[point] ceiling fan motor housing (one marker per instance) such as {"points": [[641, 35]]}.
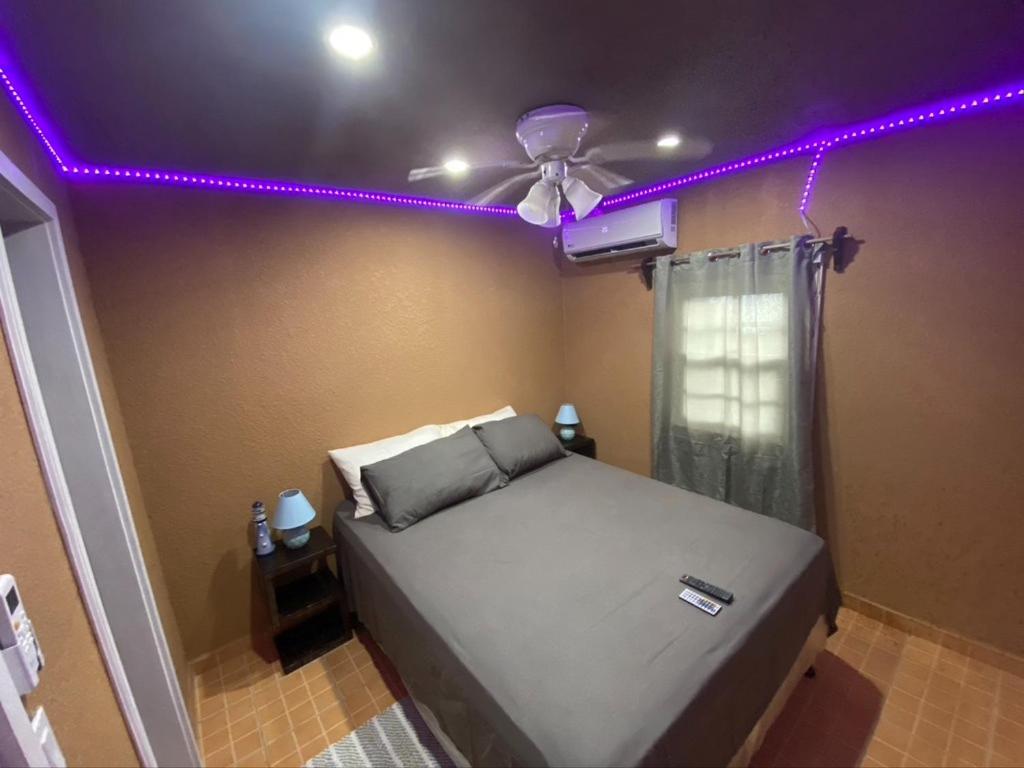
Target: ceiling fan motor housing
{"points": [[553, 171], [553, 132]]}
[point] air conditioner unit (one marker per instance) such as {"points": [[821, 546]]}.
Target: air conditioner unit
{"points": [[641, 229]]}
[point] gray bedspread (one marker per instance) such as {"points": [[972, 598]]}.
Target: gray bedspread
{"points": [[541, 623]]}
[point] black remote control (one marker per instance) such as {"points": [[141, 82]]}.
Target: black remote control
{"points": [[709, 589]]}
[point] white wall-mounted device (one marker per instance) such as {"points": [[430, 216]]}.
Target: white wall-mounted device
{"points": [[18, 644], [646, 228]]}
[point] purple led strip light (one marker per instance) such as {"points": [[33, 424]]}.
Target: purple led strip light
{"points": [[176, 178], [30, 118], [840, 136], [83, 171], [812, 172]]}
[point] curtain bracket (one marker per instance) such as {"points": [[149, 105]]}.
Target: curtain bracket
{"points": [[838, 257], [647, 272]]}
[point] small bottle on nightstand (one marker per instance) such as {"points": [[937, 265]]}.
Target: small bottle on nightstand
{"points": [[264, 544]]}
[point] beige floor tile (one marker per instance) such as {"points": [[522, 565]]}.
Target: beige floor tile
{"points": [[327, 698], [216, 722], [239, 728], [936, 716], [1008, 749], [241, 709], [216, 741], [338, 732], [265, 695], [296, 696], [302, 712], [257, 759], [247, 744], [320, 684], [357, 699], [313, 670], [281, 748], [1009, 729], [351, 683], [307, 731], [970, 732], [961, 750], [977, 714], [222, 758], [903, 700], [210, 705], [893, 735], [291, 682], [331, 716], [1011, 712], [288, 761], [271, 711], [313, 748], [361, 716], [275, 729], [899, 717]]}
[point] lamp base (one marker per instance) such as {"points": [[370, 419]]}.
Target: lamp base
{"points": [[295, 538], [567, 433]]}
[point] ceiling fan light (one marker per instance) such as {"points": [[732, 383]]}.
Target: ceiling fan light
{"points": [[581, 197], [540, 206]]}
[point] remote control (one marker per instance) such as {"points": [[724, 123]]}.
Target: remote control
{"points": [[717, 592], [708, 606]]}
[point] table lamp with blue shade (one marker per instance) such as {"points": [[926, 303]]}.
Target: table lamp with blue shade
{"points": [[567, 419], [292, 517]]}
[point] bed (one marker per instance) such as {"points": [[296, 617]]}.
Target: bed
{"points": [[540, 625]]}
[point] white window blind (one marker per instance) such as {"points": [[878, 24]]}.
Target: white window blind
{"points": [[735, 366]]}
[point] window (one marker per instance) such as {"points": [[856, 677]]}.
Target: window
{"points": [[735, 368]]}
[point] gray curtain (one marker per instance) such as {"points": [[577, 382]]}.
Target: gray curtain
{"points": [[735, 353]]}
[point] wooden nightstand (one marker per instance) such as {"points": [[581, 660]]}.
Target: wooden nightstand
{"points": [[581, 444], [308, 614]]}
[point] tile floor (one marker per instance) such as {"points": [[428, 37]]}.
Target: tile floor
{"points": [[252, 715], [880, 698], [883, 698]]}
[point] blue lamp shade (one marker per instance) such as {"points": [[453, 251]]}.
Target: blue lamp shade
{"points": [[567, 419], [292, 517]]}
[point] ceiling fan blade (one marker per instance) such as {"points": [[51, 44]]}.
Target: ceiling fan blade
{"points": [[491, 194], [432, 171], [690, 148], [598, 177]]}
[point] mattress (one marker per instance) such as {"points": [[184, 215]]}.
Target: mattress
{"points": [[541, 625]]}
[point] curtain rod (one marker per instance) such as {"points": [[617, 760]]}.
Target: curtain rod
{"points": [[834, 245]]}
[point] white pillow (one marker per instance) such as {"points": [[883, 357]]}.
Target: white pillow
{"points": [[502, 413], [351, 460]]}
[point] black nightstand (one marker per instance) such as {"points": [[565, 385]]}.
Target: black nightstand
{"points": [[581, 444], [307, 604]]}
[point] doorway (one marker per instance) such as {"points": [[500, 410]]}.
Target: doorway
{"points": [[62, 403]]}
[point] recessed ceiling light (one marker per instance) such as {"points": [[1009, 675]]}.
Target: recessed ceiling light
{"points": [[350, 42], [669, 140], [456, 166]]}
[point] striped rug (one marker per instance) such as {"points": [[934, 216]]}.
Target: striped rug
{"points": [[396, 737]]}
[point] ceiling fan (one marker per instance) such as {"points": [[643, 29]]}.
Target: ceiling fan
{"points": [[551, 136]]}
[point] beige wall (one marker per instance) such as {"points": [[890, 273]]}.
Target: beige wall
{"points": [[922, 405], [249, 335], [24, 151]]}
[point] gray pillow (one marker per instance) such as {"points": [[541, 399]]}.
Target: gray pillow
{"points": [[520, 443], [413, 485]]}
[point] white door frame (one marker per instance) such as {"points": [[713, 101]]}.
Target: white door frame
{"points": [[136, 654]]}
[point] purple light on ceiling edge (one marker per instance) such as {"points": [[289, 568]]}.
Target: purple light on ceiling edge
{"points": [[812, 172], [882, 126], [837, 137], [77, 170]]}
